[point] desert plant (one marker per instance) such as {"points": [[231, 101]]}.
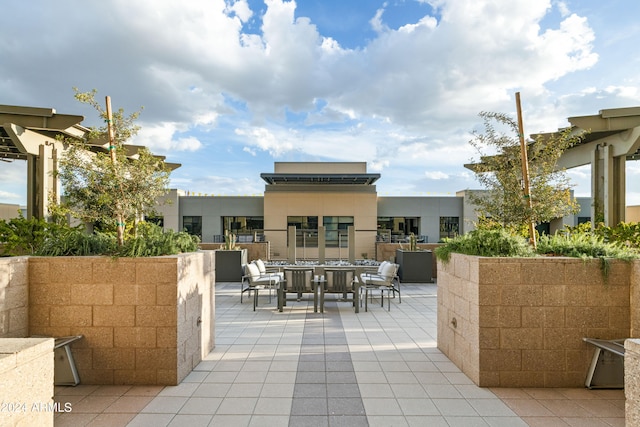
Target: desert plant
{"points": [[230, 242], [413, 242]]}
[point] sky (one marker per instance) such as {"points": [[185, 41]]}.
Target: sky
{"points": [[228, 87]]}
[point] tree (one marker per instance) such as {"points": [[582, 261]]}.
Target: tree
{"points": [[113, 187], [500, 172]]}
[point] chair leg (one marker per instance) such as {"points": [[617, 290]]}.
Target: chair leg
{"points": [[356, 303]]}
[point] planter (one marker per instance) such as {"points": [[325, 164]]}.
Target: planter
{"points": [[14, 297], [26, 379], [144, 320], [229, 265], [519, 322], [415, 266]]}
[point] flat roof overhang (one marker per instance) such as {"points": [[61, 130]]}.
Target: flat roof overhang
{"points": [[314, 178], [606, 124], [22, 129]]}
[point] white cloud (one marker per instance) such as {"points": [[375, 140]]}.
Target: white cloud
{"points": [[378, 165], [263, 139], [436, 175], [405, 99], [563, 8], [376, 22], [630, 92], [161, 138], [9, 195], [13, 178], [422, 75], [241, 9], [223, 185]]}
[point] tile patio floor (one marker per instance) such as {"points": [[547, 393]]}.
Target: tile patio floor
{"points": [[299, 368]]}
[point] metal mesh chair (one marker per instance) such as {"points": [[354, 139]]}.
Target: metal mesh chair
{"points": [[386, 280], [340, 281], [297, 281], [252, 281]]}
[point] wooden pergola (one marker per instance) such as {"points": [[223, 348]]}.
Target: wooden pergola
{"points": [[612, 138], [29, 133]]}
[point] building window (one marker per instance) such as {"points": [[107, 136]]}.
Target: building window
{"points": [[242, 224], [584, 219], [306, 230], [336, 230], [543, 228], [157, 220], [449, 226], [192, 225], [397, 228]]}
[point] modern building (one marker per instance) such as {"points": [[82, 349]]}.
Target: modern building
{"points": [[324, 200]]}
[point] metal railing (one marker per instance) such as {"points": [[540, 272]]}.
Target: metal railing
{"points": [[253, 237], [386, 236]]}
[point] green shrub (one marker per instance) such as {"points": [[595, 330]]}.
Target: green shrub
{"points": [[577, 242], [21, 236], [586, 245], [485, 242], [77, 242], [583, 245], [151, 240], [626, 233]]}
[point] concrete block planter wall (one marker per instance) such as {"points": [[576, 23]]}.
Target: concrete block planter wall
{"points": [[26, 382], [519, 322], [632, 384], [14, 297], [144, 320]]}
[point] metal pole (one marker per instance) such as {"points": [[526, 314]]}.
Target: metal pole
{"points": [[112, 154], [525, 171]]}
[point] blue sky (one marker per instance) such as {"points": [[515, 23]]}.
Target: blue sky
{"points": [[230, 87]]}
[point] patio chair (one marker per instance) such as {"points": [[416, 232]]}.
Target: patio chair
{"points": [[369, 272], [340, 281], [380, 274], [386, 280], [252, 281], [265, 271], [297, 281]]}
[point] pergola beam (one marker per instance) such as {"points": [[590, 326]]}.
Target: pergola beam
{"points": [[30, 133]]}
